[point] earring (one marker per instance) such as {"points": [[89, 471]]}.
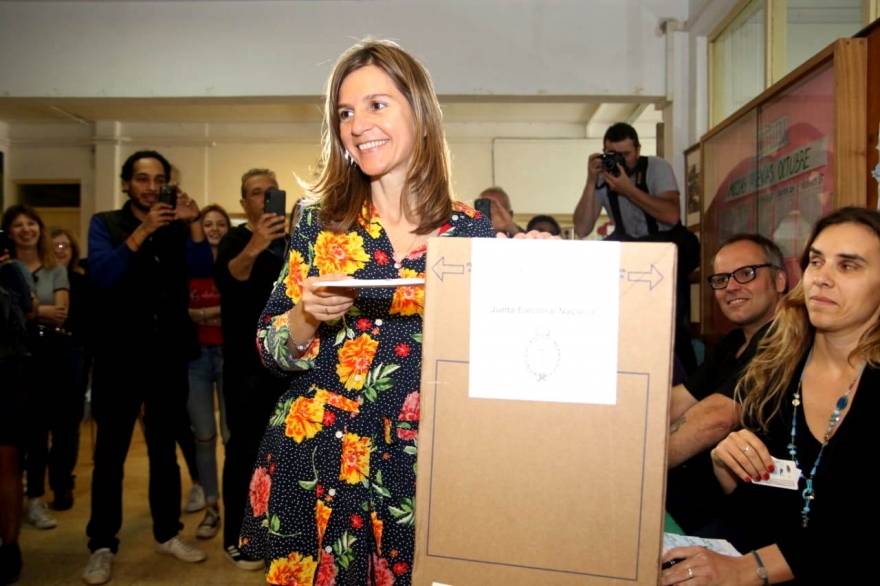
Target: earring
{"points": [[349, 159]]}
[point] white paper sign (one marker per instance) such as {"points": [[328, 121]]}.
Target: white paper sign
{"points": [[544, 319]]}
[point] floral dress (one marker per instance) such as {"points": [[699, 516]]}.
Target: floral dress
{"points": [[332, 494]]}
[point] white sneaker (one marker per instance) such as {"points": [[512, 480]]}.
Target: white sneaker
{"points": [[196, 500], [210, 524], [182, 550], [99, 570], [38, 514]]}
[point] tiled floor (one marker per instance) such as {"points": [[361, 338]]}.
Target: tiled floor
{"points": [[58, 556]]}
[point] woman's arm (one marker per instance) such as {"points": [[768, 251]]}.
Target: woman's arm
{"points": [[698, 566], [56, 314]]}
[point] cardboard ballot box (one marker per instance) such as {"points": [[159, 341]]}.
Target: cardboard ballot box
{"points": [[545, 463]]}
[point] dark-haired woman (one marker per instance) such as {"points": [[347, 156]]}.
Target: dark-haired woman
{"points": [[809, 417]]}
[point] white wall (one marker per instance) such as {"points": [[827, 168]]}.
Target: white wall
{"points": [[280, 48]]}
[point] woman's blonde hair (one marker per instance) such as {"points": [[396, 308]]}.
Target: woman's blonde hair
{"points": [[342, 188], [45, 251], [769, 374], [73, 265]]}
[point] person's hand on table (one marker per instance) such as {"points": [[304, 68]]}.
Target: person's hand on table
{"points": [[698, 566], [744, 455], [326, 303]]}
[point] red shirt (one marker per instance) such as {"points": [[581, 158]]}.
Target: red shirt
{"points": [[203, 293]]}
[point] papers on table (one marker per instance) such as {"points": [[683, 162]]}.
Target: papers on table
{"points": [[721, 546]]}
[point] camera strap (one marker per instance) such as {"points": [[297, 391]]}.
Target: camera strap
{"points": [[641, 181]]}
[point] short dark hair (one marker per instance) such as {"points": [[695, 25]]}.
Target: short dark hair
{"points": [[621, 131], [547, 219], [128, 165], [256, 173], [772, 253]]}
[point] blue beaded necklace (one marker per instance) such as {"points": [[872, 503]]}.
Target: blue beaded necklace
{"points": [[808, 493]]}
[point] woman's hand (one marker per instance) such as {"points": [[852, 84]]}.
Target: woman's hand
{"points": [[533, 235], [326, 303], [744, 456], [698, 566]]}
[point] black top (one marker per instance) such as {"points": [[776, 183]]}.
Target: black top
{"points": [[721, 372], [79, 315], [242, 302], [692, 492], [837, 547]]}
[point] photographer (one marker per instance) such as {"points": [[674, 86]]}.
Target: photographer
{"points": [[139, 258], [641, 195], [653, 196]]}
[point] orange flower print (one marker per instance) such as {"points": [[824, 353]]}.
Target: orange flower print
{"points": [[355, 458], [337, 401], [305, 419], [322, 517], [408, 300], [370, 223], [355, 358], [295, 570], [296, 274], [279, 321], [340, 253], [312, 351], [387, 430], [464, 209], [378, 524]]}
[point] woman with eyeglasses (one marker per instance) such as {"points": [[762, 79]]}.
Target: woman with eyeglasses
{"points": [[46, 377], [67, 251], [800, 499]]}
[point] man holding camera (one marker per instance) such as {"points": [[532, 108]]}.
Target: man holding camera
{"points": [[643, 195], [248, 263], [139, 258], [500, 211]]}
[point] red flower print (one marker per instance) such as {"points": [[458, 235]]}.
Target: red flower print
{"points": [[261, 486], [329, 418], [410, 410], [356, 521], [400, 568], [319, 490], [364, 324], [381, 572], [381, 257], [407, 434], [402, 350], [272, 469], [326, 571]]}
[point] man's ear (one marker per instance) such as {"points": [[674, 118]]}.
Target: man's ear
{"points": [[126, 186], [781, 281], [241, 202]]}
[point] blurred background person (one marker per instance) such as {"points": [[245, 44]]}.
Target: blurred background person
{"points": [[49, 399], [206, 373], [543, 223]]}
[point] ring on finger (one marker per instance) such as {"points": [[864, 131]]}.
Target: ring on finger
{"points": [[746, 449], [690, 573]]}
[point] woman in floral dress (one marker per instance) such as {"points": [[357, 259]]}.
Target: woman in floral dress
{"points": [[332, 495]]}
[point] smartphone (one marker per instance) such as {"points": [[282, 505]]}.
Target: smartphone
{"points": [[484, 206], [276, 202], [6, 244], [168, 194]]}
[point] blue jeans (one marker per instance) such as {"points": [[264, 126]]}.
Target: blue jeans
{"points": [[204, 373]]}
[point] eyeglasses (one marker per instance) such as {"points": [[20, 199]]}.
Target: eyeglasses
{"points": [[62, 246], [742, 276]]}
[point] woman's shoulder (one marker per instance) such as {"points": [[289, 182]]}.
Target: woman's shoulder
{"points": [[467, 221]]}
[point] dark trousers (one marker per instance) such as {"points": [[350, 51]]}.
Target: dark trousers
{"points": [[250, 401], [54, 408], [120, 386]]}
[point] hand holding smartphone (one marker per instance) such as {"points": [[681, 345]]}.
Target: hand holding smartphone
{"points": [[168, 194]]}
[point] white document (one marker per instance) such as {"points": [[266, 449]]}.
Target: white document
{"points": [[544, 320], [721, 546], [374, 283]]}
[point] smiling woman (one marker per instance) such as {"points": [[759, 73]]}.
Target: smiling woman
{"points": [[809, 405], [336, 472]]}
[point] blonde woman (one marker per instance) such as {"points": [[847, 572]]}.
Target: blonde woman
{"points": [[809, 415]]}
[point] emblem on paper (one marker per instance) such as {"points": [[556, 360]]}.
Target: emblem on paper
{"points": [[542, 355]]}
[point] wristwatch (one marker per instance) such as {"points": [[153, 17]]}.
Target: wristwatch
{"points": [[761, 571]]}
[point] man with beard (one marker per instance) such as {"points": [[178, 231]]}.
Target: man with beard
{"points": [[139, 258]]}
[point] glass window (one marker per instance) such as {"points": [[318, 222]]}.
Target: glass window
{"points": [[738, 61], [812, 25]]}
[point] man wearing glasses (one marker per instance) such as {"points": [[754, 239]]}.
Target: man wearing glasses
{"points": [[748, 281]]}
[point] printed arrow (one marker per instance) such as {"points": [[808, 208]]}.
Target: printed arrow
{"points": [[446, 269], [653, 276]]}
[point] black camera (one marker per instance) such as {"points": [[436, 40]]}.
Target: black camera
{"points": [[168, 194], [611, 160], [484, 206]]}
